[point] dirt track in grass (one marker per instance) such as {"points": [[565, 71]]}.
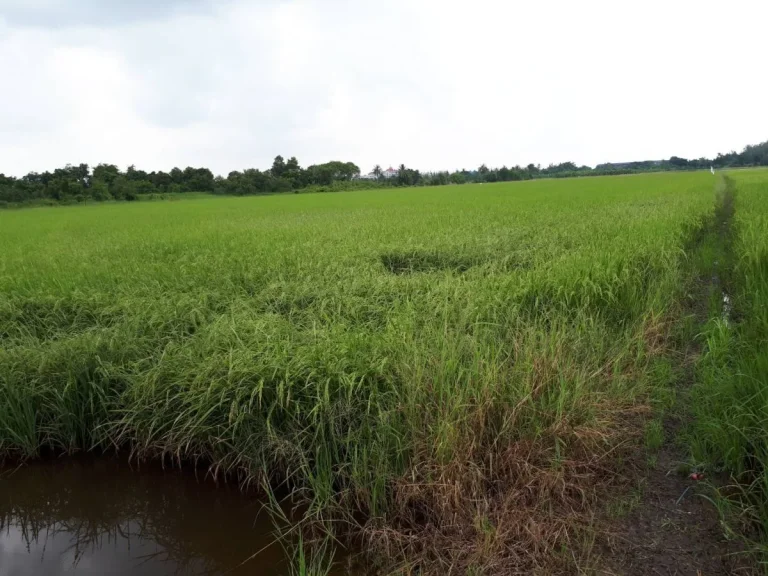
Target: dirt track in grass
{"points": [[673, 528]]}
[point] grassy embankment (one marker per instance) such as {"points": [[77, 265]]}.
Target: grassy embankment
{"points": [[453, 372], [730, 399]]}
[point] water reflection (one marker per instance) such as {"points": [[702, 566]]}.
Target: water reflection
{"points": [[101, 517]]}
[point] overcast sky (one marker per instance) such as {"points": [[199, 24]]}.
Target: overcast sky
{"points": [[434, 84]]}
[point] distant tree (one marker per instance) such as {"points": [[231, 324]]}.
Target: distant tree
{"points": [[407, 177], [377, 171], [197, 180], [121, 189], [326, 174], [161, 180], [438, 178], [700, 163], [292, 165], [142, 187], [402, 175], [82, 174], [106, 173], [278, 167], [293, 173], [677, 162], [755, 155], [99, 190], [135, 175]]}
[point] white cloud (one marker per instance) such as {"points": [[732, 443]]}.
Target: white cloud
{"points": [[65, 13], [434, 84]]}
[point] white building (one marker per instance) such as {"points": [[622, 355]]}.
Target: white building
{"points": [[388, 173]]}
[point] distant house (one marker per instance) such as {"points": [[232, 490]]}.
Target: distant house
{"points": [[388, 173]]}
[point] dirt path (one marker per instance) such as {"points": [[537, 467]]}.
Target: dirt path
{"points": [[673, 529]]}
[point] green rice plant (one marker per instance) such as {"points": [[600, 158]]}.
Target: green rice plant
{"points": [[317, 562], [398, 359]]}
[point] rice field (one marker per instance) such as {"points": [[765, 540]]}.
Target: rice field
{"points": [[449, 376]]}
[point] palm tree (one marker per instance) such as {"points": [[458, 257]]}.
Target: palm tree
{"points": [[377, 171], [403, 177]]}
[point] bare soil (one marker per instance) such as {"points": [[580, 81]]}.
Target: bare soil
{"points": [[674, 529]]}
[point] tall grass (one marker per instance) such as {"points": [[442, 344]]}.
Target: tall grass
{"points": [[731, 396], [451, 372]]}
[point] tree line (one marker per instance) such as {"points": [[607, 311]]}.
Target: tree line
{"points": [[104, 182], [107, 182]]}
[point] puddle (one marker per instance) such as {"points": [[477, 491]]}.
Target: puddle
{"points": [[726, 308], [101, 516]]}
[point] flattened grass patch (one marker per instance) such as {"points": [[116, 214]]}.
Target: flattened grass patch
{"points": [[422, 261]]}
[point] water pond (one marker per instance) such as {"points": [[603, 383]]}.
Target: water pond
{"points": [[103, 516]]}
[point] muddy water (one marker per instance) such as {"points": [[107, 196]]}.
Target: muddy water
{"points": [[87, 517]]}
